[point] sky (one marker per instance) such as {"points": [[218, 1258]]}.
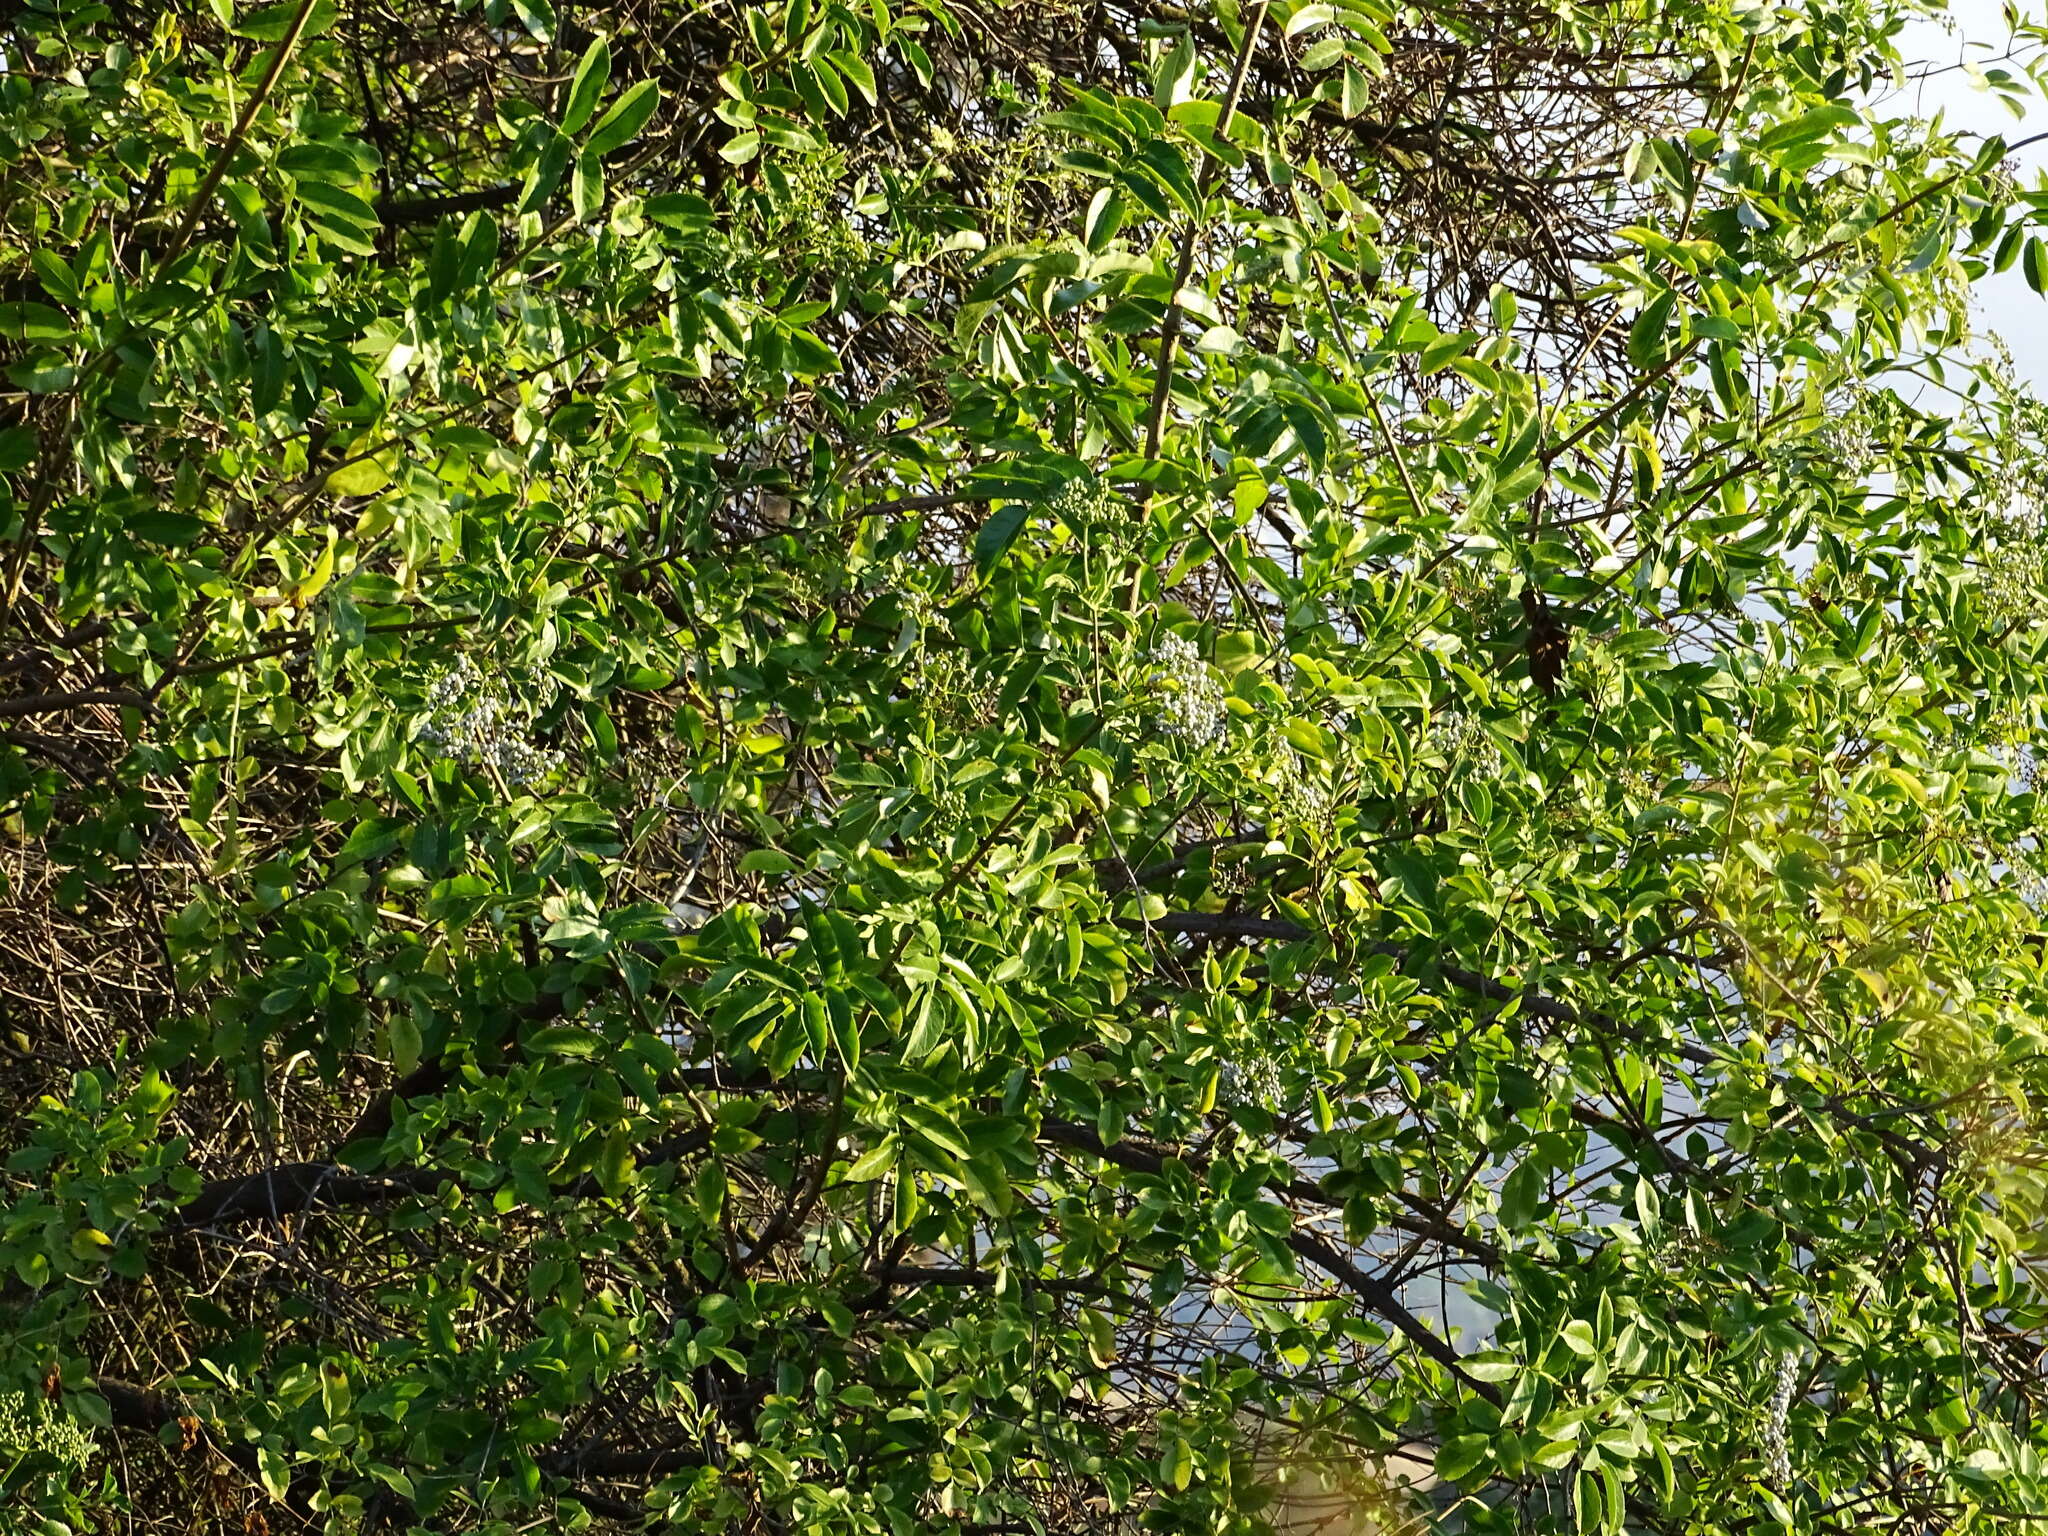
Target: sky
{"points": [[1977, 33]]}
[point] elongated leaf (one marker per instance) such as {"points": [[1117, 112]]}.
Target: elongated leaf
{"points": [[623, 119]]}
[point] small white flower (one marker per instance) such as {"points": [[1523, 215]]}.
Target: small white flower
{"points": [[1469, 750], [1190, 699], [1777, 1458], [1253, 1080], [470, 721]]}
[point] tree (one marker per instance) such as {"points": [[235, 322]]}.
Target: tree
{"points": [[956, 767]]}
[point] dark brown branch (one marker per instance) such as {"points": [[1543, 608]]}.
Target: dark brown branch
{"points": [[1377, 1294], [427, 209], [61, 703], [296, 1189], [912, 1275]]}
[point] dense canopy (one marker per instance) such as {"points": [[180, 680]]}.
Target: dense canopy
{"points": [[1027, 766]]}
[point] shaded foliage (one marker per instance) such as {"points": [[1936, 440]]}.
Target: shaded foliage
{"points": [[1013, 768]]}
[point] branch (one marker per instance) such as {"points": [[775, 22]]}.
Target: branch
{"points": [[297, 1189], [196, 210], [1317, 1250], [1381, 1297], [61, 703], [1222, 925], [985, 1279], [293, 1189], [148, 1411], [396, 211], [1184, 268]]}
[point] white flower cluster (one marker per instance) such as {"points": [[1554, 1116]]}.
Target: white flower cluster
{"points": [[1846, 442], [473, 722], [1190, 699], [2016, 570], [26, 1426], [1251, 1080], [2023, 764], [1297, 800], [1777, 1460], [1467, 746]]}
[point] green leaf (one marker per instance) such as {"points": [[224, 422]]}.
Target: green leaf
{"points": [[995, 536], [34, 322], [1646, 336], [1951, 1416], [1439, 354], [1520, 1193], [1462, 1455], [1307, 16], [1806, 129], [1492, 1366], [1105, 218], [320, 162], [937, 1128], [587, 88], [1357, 91], [1173, 78], [335, 209], [538, 17], [363, 472], [274, 1470], [1519, 486], [679, 210], [872, 1164], [157, 526], [56, 277], [407, 1045], [1323, 52], [546, 174], [624, 118], [586, 186], [1100, 1334], [269, 23]]}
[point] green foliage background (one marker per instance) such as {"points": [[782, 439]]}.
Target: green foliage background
{"points": [[951, 766]]}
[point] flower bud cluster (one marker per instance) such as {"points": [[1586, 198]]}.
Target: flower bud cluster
{"points": [[2015, 566], [1297, 802], [1777, 1458], [1083, 502], [1473, 595], [1189, 698], [1232, 877], [952, 683], [27, 1426], [813, 207], [2002, 184], [474, 723], [1847, 444], [1249, 1081], [1095, 514], [1468, 748]]}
